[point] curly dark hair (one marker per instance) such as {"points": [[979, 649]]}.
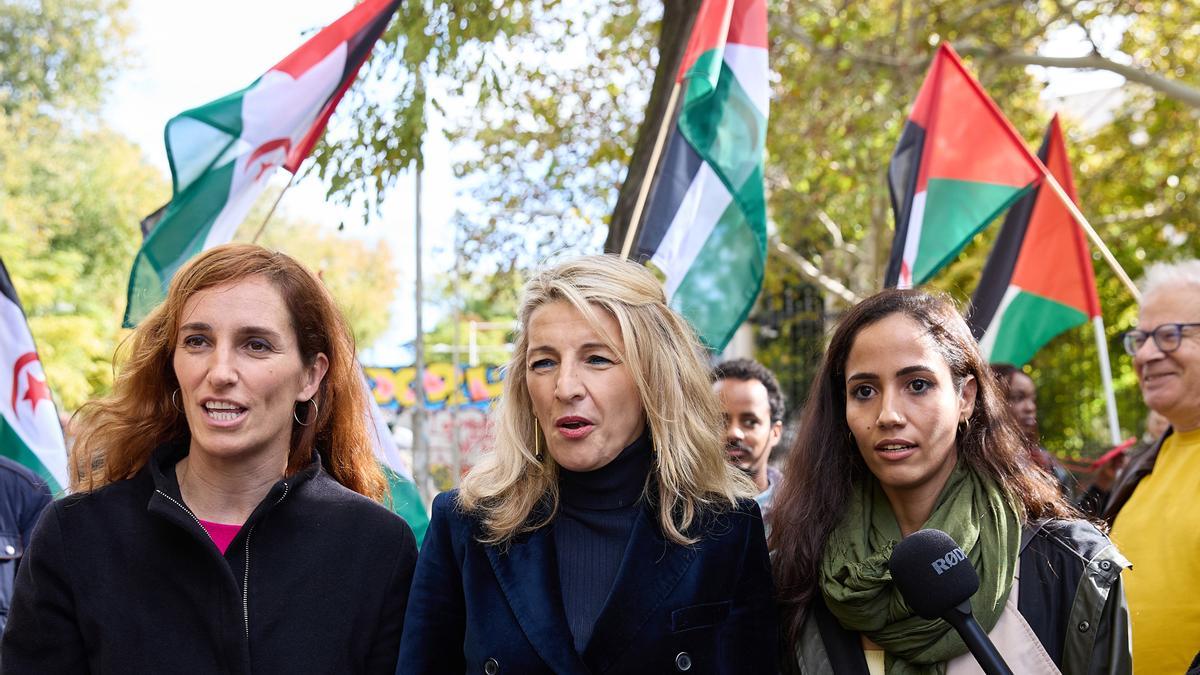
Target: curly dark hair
{"points": [[749, 369]]}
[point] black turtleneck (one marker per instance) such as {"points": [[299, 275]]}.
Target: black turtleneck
{"points": [[596, 513]]}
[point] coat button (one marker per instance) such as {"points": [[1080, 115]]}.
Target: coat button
{"points": [[683, 662], [1084, 626], [491, 667], [9, 549]]}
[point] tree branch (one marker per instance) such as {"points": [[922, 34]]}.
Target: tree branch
{"points": [[813, 273], [1093, 61], [1171, 88]]}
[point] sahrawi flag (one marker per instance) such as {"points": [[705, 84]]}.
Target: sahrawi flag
{"points": [[706, 222], [223, 154], [405, 500], [958, 165], [1038, 281], [30, 433]]}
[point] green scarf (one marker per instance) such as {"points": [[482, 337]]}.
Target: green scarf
{"points": [[857, 585]]}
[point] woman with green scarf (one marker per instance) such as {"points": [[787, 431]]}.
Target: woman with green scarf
{"points": [[904, 429]]}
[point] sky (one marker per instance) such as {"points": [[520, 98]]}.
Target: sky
{"points": [[189, 53]]}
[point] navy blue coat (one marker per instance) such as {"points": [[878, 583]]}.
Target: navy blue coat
{"points": [[706, 608], [23, 497]]}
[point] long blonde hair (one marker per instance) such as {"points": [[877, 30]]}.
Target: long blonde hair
{"points": [[118, 433], [666, 362]]}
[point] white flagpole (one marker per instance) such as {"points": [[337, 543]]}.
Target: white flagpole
{"points": [[1110, 398], [420, 440], [1114, 427]]}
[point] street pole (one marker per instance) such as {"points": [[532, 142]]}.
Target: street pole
{"points": [[456, 398], [420, 443]]}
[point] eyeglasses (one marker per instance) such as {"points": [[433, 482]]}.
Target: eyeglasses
{"points": [[1167, 337]]}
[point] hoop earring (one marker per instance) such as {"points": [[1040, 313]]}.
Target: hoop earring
{"points": [[537, 440], [964, 426], [175, 403], [316, 408]]}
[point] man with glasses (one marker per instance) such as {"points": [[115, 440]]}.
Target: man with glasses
{"points": [[1156, 522]]}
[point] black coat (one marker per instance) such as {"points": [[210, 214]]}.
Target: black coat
{"points": [[23, 497], [706, 608], [125, 580]]}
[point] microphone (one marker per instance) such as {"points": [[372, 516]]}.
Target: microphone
{"points": [[935, 578]]}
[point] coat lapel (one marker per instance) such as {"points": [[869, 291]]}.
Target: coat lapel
{"points": [[528, 576], [651, 569]]}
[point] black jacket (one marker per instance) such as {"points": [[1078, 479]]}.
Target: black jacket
{"points": [[705, 608], [23, 497], [125, 580], [1070, 595]]}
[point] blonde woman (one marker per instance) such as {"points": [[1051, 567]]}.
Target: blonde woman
{"points": [[605, 532], [224, 514]]}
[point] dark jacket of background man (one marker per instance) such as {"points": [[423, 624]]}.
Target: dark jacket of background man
{"points": [[23, 497]]}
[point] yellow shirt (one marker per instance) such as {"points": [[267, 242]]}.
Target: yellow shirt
{"points": [[1158, 529]]}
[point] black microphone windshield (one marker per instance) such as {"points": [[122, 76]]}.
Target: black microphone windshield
{"points": [[932, 573]]}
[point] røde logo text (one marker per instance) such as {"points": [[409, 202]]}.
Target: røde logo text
{"points": [[944, 563]]}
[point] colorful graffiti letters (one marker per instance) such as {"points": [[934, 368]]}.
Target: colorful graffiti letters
{"points": [[477, 386]]}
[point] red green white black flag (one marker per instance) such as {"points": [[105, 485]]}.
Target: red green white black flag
{"points": [[1038, 280], [223, 153], [958, 165], [706, 221]]}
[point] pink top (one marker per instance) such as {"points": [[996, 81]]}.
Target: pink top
{"points": [[220, 533]]}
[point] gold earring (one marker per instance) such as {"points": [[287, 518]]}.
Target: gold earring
{"points": [[537, 440]]}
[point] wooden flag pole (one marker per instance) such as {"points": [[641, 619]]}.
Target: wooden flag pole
{"points": [[1091, 233], [651, 169], [272, 211]]}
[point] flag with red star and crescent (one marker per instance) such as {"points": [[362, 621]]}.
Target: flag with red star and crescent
{"points": [[223, 153], [30, 432]]}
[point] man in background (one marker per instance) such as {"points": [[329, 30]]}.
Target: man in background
{"points": [[753, 405], [1156, 523], [23, 497]]}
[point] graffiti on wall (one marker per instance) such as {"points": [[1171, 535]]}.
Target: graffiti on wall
{"points": [[477, 386], [457, 417]]}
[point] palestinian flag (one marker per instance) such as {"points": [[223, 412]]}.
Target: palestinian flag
{"points": [[958, 165], [30, 433], [223, 153], [403, 497], [706, 222], [1038, 280]]}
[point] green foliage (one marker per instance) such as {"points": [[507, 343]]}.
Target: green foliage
{"points": [[847, 78], [554, 133], [361, 277], [461, 43], [60, 53], [72, 193], [489, 301], [554, 144], [69, 207]]}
